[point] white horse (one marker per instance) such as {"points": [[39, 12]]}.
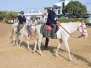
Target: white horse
{"points": [[65, 29], [28, 33], [25, 34]]}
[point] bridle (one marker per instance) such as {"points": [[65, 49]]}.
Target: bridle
{"points": [[82, 28]]}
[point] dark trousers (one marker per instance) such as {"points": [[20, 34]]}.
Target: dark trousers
{"points": [[53, 29], [53, 34], [46, 42]]}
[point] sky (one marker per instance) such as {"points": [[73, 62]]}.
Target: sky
{"points": [[29, 5]]}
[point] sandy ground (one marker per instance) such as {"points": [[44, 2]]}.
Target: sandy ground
{"points": [[15, 57]]}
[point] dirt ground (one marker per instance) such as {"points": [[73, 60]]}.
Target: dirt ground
{"points": [[15, 57]]}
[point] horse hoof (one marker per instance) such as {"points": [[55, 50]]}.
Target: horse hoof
{"points": [[33, 51], [18, 46], [57, 55], [70, 59], [28, 49], [41, 54]]}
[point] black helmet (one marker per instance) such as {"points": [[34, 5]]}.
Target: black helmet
{"points": [[21, 12], [55, 6]]}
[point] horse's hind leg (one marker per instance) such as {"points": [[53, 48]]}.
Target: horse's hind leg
{"points": [[17, 41], [14, 42], [58, 46], [67, 47]]}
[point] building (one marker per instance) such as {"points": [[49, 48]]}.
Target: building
{"points": [[43, 14], [38, 14], [61, 4]]}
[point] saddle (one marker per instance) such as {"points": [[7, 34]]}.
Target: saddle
{"points": [[46, 30]]}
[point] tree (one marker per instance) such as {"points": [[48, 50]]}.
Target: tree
{"points": [[2, 14], [11, 15], [75, 9]]}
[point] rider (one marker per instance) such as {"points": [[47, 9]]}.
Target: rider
{"points": [[51, 20], [21, 19]]}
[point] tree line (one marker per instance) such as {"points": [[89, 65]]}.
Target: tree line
{"points": [[75, 9], [8, 15]]}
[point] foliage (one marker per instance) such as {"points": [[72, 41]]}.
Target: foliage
{"points": [[8, 15], [71, 19], [11, 15], [2, 14], [75, 9]]}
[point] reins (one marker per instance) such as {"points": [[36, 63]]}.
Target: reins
{"points": [[64, 28], [67, 31]]}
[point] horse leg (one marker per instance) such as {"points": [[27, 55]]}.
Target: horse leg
{"points": [[21, 39], [28, 44], [35, 45], [27, 41], [39, 45], [11, 36], [67, 47], [58, 46], [14, 41], [17, 41]]}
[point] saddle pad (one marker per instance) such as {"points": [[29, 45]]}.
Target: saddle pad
{"points": [[47, 27], [44, 31]]}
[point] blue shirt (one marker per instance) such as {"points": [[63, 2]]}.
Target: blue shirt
{"points": [[51, 17], [21, 19]]}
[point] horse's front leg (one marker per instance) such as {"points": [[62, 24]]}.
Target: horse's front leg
{"points": [[21, 39], [68, 49], [39, 45], [28, 42], [35, 45], [58, 46], [15, 38]]}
